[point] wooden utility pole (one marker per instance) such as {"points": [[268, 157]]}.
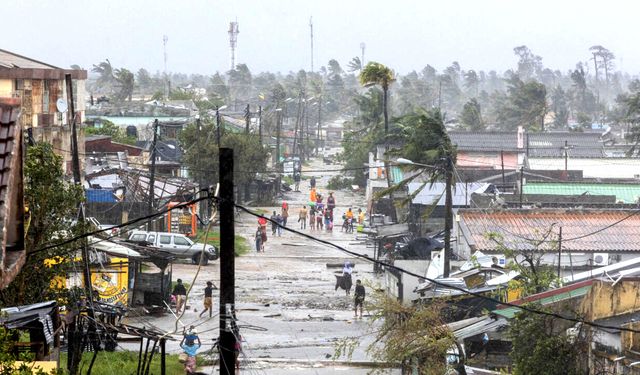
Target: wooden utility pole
{"points": [[75, 335], [521, 184], [448, 220], [277, 164], [319, 124], [260, 123], [247, 118], [502, 163], [227, 264], [218, 126], [559, 250], [152, 176]]}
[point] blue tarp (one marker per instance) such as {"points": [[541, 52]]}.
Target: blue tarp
{"points": [[100, 195]]}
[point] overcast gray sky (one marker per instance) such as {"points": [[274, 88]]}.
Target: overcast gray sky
{"points": [[274, 34]]}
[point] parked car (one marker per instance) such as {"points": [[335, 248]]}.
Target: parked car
{"points": [[177, 244]]}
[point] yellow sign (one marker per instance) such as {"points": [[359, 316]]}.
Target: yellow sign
{"points": [[111, 281]]}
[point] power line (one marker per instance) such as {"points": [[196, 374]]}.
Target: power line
{"points": [[128, 223], [439, 283]]}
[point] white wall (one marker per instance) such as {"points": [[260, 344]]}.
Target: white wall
{"points": [[595, 168]]}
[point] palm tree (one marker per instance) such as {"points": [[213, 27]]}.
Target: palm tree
{"points": [[354, 64], [126, 81], [377, 74]]}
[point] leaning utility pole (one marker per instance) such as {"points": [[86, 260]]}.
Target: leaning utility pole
{"points": [[448, 220], [227, 264], [152, 176]]}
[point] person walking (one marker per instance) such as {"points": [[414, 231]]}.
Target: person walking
{"points": [[359, 297], [312, 218], [331, 201], [262, 221], [312, 183], [258, 239], [208, 299], [190, 348], [296, 180], [360, 216], [279, 224], [274, 223], [180, 292], [302, 217], [285, 214]]}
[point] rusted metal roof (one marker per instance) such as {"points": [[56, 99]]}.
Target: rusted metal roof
{"points": [[16, 66], [11, 203], [582, 230]]}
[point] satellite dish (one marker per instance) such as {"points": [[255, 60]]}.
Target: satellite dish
{"points": [[61, 105]]}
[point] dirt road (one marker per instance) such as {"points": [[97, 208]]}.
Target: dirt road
{"points": [[289, 314]]}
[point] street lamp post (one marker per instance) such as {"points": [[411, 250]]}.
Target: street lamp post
{"points": [[448, 207], [218, 109]]}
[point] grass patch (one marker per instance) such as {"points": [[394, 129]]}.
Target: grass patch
{"points": [[240, 243], [126, 362]]}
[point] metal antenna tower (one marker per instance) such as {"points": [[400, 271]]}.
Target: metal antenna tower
{"points": [[233, 41], [311, 28], [362, 47], [166, 77]]}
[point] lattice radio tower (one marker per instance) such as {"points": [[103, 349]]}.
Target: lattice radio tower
{"points": [[233, 41]]}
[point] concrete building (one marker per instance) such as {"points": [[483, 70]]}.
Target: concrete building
{"points": [[40, 86], [590, 238]]}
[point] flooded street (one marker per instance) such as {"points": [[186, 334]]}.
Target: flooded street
{"points": [[288, 312]]}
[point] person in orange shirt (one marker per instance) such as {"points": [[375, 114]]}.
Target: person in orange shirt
{"points": [[312, 195]]}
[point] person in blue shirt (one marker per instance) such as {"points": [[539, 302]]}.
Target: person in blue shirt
{"points": [[190, 347]]}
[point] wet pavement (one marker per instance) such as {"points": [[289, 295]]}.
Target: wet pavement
{"points": [[288, 311]]}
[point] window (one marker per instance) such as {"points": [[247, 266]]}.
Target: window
{"points": [[181, 241], [138, 237], [165, 240]]}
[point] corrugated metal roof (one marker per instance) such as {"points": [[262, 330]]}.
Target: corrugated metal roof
{"points": [[485, 141], [627, 193], [510, 312], [578, 144], [486, 324], [617, 230], [461, 193], [13, 60]]}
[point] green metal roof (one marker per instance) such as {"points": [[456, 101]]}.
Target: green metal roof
{"points": [[628, 193], [510, 312], [396, 174]]}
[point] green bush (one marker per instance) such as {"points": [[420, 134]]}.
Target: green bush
{"points": [[339, 182]]}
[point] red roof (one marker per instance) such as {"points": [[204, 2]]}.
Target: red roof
{"points": [[582, 230]]}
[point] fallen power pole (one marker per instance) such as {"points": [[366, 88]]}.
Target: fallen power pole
{"points": [[227, 264]]}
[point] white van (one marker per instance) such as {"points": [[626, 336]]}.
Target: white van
{"points": [[177, 244]]}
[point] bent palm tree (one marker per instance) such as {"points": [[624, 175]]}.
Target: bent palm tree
{"points": [[378, 74]]}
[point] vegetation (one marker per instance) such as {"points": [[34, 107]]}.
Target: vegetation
{"points": [[535, 277], [541, 345], [250, 156], [241, 245], [126, 362], [415, 337], [52, 204], [424, 140], [116, 133]]}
